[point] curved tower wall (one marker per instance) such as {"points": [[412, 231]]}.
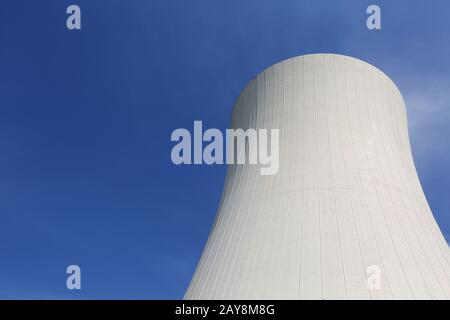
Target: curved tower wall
{"points": [[346, 196]]}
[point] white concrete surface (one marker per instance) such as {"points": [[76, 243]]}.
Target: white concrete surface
{"points": [[346, 197]]}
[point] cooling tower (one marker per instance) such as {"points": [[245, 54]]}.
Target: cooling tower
{"points": [[346, 200]]}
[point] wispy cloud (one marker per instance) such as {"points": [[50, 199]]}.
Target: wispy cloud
{"points": [[428, 103]]}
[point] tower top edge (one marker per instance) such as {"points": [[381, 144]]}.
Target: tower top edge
{"points": [[326, 54], [321, 55]]}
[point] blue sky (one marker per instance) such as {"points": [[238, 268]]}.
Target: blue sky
{"points": [[86, 117]]}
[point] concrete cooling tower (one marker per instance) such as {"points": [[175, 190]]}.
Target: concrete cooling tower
{"points": [[345, 217]]}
